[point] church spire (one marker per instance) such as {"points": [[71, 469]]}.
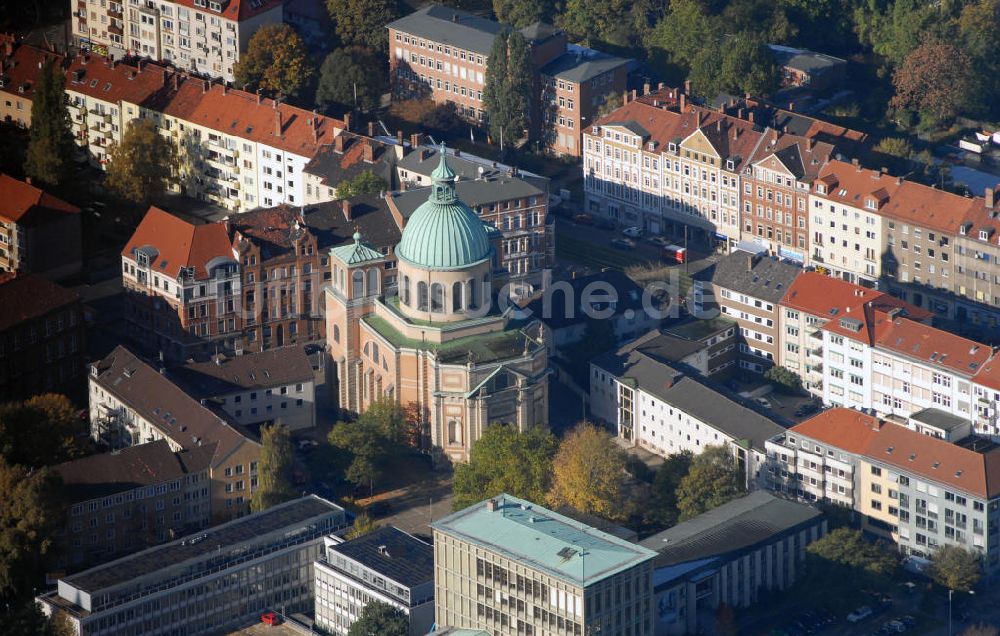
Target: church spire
{"points": [[443, 176]]}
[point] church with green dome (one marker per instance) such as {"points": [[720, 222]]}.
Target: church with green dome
{"points": [[438, 341]]}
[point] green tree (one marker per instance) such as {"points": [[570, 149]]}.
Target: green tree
{"points": [[521, 13], [955, 568], [895, 29], [378, 435], [380, 619], [507, 89], [442, 118], [504, 459], [663, 502], [50, 143], [366, 182], [686, 31], [350, 71], [615, 22], [588, 473], [713, 479], [787, 381], [274, 468], [42, 431], [362, 22], [363, 524], [29, 518], [142, 166], [611, 102], [748, 66], [848, 549], [935, 79], [275, 61]]}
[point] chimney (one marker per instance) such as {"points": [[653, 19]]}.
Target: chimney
{"points": [[315, 129], [347, 121], [399, 137], [683, 103], [165, 74], [422, 154], [645, 88], [633, 95], [810, 143], [492, 505], [414, 140], [454, 18], [749, 262], [791, 106], [204, 87], [225, 89], [27, 180], [659, 86], [854, 162], [740, 113], [736, 133], [345, 206], [138, 66], [258, 97], [899, 180], [687, 87], [277, 123], [990, 198], [624, 97], [371, 129], [718, 126], [176, 81], [368, 153], [338, 143]]}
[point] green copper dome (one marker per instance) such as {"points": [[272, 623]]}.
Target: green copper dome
{"points": [[444, 233]]}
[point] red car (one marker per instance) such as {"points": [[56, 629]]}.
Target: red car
{"points": [[583, 219], [270, 618]]}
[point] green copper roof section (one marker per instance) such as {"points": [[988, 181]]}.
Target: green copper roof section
{"points": [[545, 540], [356, 252], [444, 233]]}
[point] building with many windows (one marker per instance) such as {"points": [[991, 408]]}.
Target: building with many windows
{"points": [[19, 66], [510, 566], [387, 566], [39, 233], [208, 583]]}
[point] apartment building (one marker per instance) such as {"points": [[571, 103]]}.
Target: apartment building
{"points": [[986, 388], [976, 285], [813, 300], [748, 288], [42, 337], [846, 205], [775, 193], [182, 287], [711, 560], [347, 157], [270, 387], [126, 501], [508, 565], [132, 403], [19, 68], [388, 566], [652, 403], [916, 490], [39, 233], [214, 582], [203, 36]]}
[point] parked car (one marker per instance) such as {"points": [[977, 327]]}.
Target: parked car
{"points": [[583, 219], [859, 614], [270, 618], [307, 444], [763, 402], [659, 241], [807, 408], [623, 243], [633, 232]]}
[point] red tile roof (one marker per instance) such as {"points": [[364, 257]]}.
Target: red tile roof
{"points": [[30, 296], [850, 184], [911, 452], [802, 156], [830, 297], [928, 207], [235, 9], [19, 201], [989, 374], [930, 346], [109, 81], [20, 69], [178, 243]]}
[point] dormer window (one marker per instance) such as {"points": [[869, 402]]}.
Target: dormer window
{"points": [[871, 204], [730, 164], [963, 229], [984, 235], [593, 130], [820, 188], [672, 147]]}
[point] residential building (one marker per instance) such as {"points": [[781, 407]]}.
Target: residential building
{"points": [[183, 293], [387, 566], [845, 207], [204, 37], [514, 202], [39, 233], [435, 339], [651, 403], [128, 500], [811, 301], [348, 156], [801, 68], [748, 288], [986, 388], [508, 565], [270, 387], [708, 346], [976, 284], [19, 67], [733, 554], [914, 489], [132, 403], [42, 337], [208, 583]]}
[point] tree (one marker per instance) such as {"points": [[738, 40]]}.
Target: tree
{"points": [[363, 524], [443, 118], [663, 505], [935, 79], [31, 515], [615, 22], [274, 468], [373, 440], [714, 479], [362, 22], [507, 89], [955, 568], [598, 337], [350, 71], [504, 459], [380, 619], [685, 32], [787, 381], [366, 182], [848, 549], [521, 13], [611, 102], [276, 61], [894, 147], [588, 473], [748, 66], [42, 431], [143, 164], [50, 142]]}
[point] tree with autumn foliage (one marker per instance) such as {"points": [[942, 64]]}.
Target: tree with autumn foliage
{"points": [[43, 430], [414, 429], [936, 80], [143, 165], [588, 473], [276, 61]]}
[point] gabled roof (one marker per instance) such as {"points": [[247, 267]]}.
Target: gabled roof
{"points": [[110, 81], [24, 204], [929, 346], [333, 167], [852, 185], [20, 69], [757, 276], [30, 296], [449, 26], [274, 230], [989, 374], [261, 370], [911, 452], [799, 156], [829, 297], [173, 243], [928, 207]]}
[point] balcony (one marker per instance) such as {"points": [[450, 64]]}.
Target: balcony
{"points": [[116, 14], [117, 30], [816, 354], [817, 335]]}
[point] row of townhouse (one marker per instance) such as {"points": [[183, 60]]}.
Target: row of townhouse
{"points": [[916, 490], [203, 36], [773, 181]]}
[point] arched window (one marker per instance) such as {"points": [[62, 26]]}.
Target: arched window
{"points": [[373, 282], [336, 276], [421, 296], [406, 291], [454, 432], [336, 333], [437, 297], [357, 284], [456, 297], [473, 295]]}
